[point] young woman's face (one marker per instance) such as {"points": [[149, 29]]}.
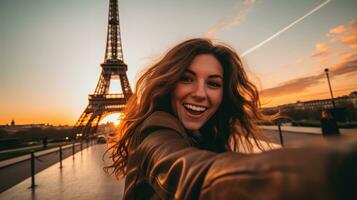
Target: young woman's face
{"points": [[199, 92]]}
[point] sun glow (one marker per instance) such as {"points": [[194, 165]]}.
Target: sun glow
{"points": [[114, 118]]}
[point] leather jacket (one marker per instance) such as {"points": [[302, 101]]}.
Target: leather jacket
{"points": [[166, 164]]}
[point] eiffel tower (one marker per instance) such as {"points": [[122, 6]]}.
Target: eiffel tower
{"points": [[101, 103]]}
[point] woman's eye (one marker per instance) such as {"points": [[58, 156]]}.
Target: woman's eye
{"points": [[214, 85], [186, 79]]}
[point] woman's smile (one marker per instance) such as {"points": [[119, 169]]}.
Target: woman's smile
{"points": [[196, 108], [194, 111]]}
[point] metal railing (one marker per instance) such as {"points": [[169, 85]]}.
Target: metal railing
{"points": [[37, 161]]}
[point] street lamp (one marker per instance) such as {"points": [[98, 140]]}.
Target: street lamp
{"points": [[329, 85]]}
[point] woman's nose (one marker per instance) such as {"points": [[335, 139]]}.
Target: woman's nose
{"points": [[199, 91]]}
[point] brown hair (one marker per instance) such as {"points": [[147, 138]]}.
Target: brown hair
{"points": [[232, 128]]}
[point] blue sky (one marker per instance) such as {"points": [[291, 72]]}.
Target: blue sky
{"points": [[50, 51]]}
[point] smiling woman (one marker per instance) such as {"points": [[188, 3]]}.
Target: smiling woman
{"points": [[190, 115], [198, 90]]}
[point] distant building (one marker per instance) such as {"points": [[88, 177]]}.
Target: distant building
{"points": [[14, 128], [322, 104], [353, 96]]}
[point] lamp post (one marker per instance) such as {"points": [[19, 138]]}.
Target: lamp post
{"points": [[329, 85]]}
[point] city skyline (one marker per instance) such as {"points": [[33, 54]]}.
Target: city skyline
{"points": [[50, 52]]}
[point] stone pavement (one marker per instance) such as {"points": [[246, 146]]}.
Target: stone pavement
{"points": [[80, 178]]}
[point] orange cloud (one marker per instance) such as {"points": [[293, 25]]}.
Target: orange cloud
{"points": [[349, 39], [347, 36], [343, 34], [292, 86], [321, 50], [347, 66], [353, 24], [343, 41], [338, 29]]}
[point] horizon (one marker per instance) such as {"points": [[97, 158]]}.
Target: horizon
{"points": [[50, 52], [106, 120]]}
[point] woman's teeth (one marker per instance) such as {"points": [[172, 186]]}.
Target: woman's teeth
{"points": [[195, 108]]}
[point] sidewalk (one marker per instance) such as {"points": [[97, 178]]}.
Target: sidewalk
{"points": [[80, 178]]}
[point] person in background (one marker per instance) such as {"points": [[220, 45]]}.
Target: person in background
{"points": [[328, 124], [44, 142]]}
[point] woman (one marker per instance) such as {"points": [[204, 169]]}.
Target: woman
{"points": [[189, 113]]}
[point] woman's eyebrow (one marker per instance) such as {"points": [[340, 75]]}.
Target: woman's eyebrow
{"points": [[216, 76], [189, 71], [210, 76]]}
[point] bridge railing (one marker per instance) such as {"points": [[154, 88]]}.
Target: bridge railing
{"points": [[28, 165]]}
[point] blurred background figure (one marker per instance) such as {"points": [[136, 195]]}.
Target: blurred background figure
{"points": [[328, 124], [44, 142]]}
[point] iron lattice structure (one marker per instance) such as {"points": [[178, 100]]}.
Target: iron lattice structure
{"points": [[102, 103]]}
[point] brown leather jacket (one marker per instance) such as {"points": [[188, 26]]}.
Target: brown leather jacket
{"points": [[167, 165]]}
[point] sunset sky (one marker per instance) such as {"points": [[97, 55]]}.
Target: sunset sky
{"points": [[50, 51]]}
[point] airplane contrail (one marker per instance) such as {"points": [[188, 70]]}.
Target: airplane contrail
{"points": [[284, 29]]}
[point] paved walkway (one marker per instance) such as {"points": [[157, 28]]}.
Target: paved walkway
{"points": [[81, 178]]}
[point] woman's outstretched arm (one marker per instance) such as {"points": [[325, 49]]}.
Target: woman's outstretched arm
{"points": [[321, 169], [177, 170]]}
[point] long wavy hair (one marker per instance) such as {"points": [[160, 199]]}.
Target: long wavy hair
{"points": [[232, 128]]}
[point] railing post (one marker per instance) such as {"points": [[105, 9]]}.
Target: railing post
{"points": [[32, 170], [81, 146], [73, 150], [60, 156], [280, 135]]}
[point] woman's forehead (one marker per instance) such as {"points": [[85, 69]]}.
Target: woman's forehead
{"points": [[205, 64]]}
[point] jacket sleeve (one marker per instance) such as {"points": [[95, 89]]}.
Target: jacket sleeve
{"points": [[173, 168], [166, 160], [321, 169]]}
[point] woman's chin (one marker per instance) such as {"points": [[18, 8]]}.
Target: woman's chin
{"points": [[193, 126]]}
